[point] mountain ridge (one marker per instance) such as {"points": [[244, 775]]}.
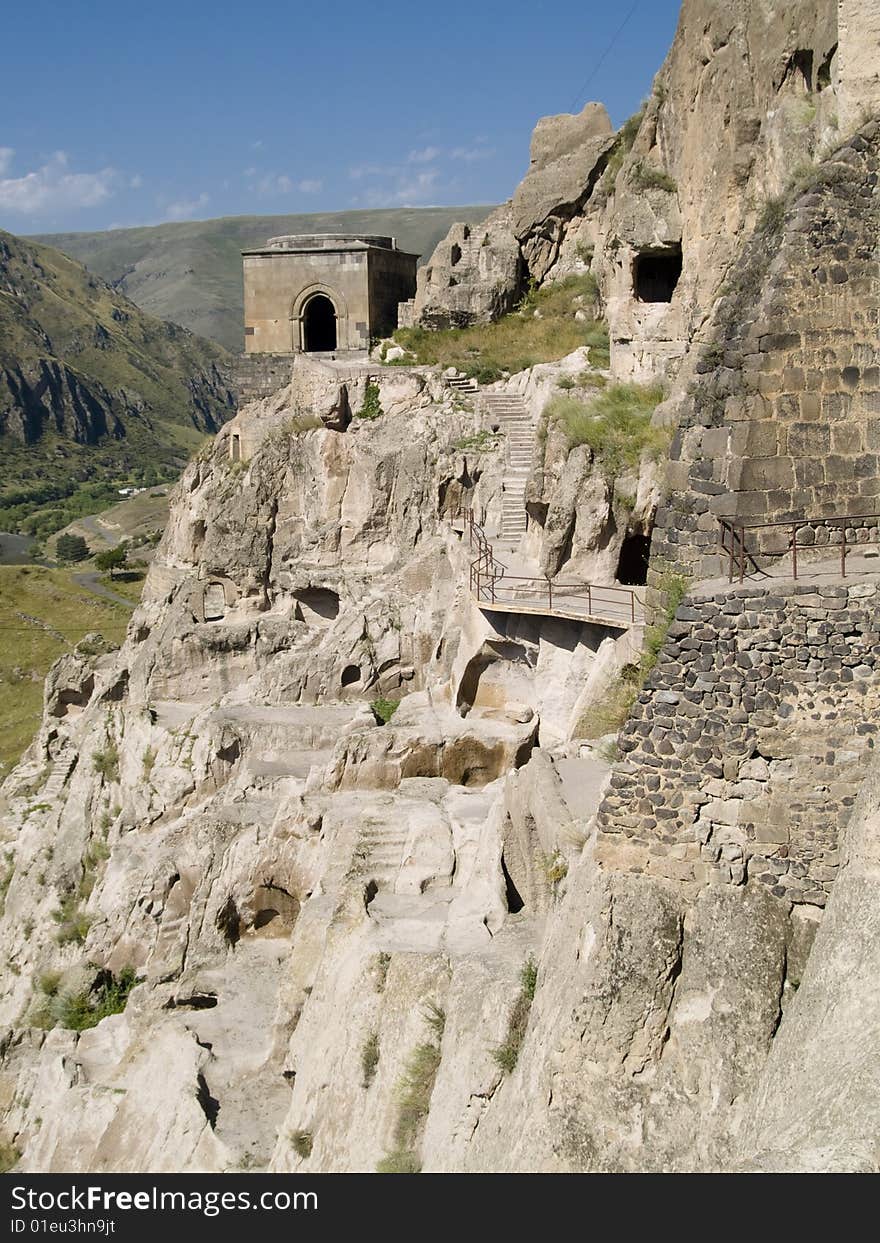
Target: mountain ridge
{"points": [[92, 389], [189, 272]]}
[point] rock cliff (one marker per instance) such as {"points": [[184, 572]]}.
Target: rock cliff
{"points": [[90, 385]]}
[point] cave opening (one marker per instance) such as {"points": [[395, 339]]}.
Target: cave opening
{"points": [[632, 564], [656, 274], [511, 893]]}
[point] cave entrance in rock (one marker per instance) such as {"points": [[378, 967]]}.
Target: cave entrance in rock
{"points": [[319, 324], [632, 564], [656, 274]]}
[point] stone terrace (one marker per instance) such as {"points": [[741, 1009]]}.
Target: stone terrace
{"points": [[743, 755]]}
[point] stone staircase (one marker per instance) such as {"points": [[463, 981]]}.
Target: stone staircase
{"points": [[61, 770], [381, 848], [462, 384], [511, 413]]}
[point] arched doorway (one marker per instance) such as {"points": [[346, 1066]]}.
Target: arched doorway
{"points": [[319, 324]]}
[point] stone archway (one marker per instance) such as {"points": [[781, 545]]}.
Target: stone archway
{"points": [[319, 334]]}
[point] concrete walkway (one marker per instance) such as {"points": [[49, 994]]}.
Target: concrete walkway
{"points": [[522, 589]]}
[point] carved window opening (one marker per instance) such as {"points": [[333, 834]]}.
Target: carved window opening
{"points": [[656, 274], [215, 602], [235, 447]]}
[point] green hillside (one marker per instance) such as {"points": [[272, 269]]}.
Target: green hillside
{"points": [[190, 272], [93, 392]]}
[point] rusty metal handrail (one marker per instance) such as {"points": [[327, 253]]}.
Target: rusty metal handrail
{"points": [[486, 572], [738, 554]]}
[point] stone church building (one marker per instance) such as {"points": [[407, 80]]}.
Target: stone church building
{"points": [[324, 293]]}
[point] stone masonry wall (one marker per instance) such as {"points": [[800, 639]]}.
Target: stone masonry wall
{"points": [[782, 420], [743, 755], [260, 375]]}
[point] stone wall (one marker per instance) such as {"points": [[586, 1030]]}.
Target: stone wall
{"points": [[260, 375], [781, 422], [742, 757]]}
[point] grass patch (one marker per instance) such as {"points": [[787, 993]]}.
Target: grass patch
{"points": [[645, 177], [106, 763], [130, 585], [383, 963], [591, 379], [79, 1011], [608, 714], [507, 1053], [414, 1098], [542, 329], [372, 407], [43, 615], [73, 923], [555, 870], [302, 1144], [399, 1162], [481, 442], [384, 709], [299, 423], [772, 216], [6, 873], [616, 424], [9, 1155], [673, 587], [369, 1058], [625, 139]]}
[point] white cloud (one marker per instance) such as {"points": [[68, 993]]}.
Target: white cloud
{"points": [[425, 155], [53, 187], [478, 151], [372, 170], [136, 182], [186, 208], [402, 191], [280, 183]]}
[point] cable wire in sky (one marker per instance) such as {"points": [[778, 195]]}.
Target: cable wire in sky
{"points": [[601, 61]]}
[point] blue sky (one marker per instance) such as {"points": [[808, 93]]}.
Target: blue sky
{"points": [[117, 114]]}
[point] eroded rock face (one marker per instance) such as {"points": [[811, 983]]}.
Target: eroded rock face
{"points": [[745, 101], [475, 275]]}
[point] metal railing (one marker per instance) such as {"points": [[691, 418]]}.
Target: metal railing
{"points": [[739, 556], [491, 584]]}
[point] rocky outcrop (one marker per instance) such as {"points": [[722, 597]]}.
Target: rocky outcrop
{"points": [[99, 374], [568, 155], [474, 275], [744, 102]]}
